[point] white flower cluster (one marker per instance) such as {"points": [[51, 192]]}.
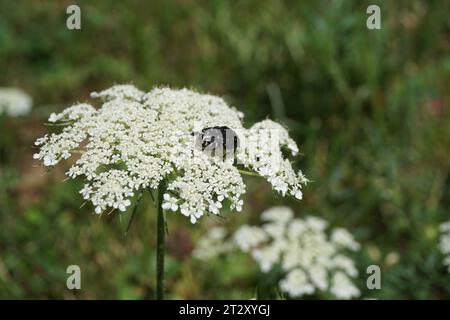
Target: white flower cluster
{"points": [[14, 102], [212, 244], [309, 258], [262, 152], [444, 243], [136, 139]]}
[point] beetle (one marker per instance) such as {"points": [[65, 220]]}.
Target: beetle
{"points": [[220, 140]]}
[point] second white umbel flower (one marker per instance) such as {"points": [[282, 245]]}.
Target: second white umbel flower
{"points": [[305, 257], [310, 260]]}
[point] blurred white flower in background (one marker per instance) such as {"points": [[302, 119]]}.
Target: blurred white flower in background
{"points": [[249, 237], [136, 139], [444, 243], [307, 256], [15, 102], [212, 244], [310, 260]]}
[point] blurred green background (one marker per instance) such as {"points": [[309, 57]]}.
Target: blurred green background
{"points": [[369, 110]]}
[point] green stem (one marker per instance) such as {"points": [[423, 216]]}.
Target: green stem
{"points": [[161, 243], [248, 173]]}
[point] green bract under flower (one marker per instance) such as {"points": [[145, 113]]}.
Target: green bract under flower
{"points": [[136, 139]]}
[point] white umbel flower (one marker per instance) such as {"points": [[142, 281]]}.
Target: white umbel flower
{"points": [[309, 258], [15, 102], [444, 243], [136, 139]]}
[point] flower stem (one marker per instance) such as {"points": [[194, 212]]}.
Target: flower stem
{"points": [[248, 173], [161, 243]]}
